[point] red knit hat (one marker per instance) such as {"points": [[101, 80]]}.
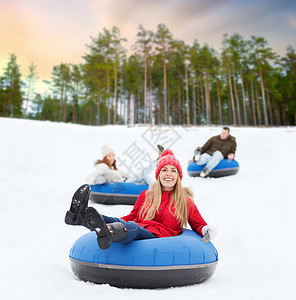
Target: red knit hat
{"points": [[168, 158]]}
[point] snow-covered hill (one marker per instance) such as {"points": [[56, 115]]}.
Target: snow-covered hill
{"points": [[42, 164]]}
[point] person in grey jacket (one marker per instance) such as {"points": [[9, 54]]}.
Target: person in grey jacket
{"points": [[214, 150]]}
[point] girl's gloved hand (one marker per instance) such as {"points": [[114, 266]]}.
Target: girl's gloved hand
{"points": [[210, 230]]}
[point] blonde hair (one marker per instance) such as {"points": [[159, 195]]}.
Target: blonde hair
{"points": [[179, 199]]}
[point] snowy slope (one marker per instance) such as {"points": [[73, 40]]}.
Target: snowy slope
{"points": [[42, 164]]}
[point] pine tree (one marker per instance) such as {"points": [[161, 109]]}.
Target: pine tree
{"points": [[207, 57], [163, 40], [12, 95], [30, 82], [61, 85], [117, 51], [288, 84], [144, 43], [262, 57], [76, 88]]}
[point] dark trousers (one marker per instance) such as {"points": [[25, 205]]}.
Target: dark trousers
{"points": [[135, 232]]}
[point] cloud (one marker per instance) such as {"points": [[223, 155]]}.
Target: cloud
{"points": [[44, 32], [51, 32], [177, 15], [291, 21]]}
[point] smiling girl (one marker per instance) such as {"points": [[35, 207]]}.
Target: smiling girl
{"points": [[161, 211]]}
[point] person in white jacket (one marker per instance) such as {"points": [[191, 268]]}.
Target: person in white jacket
{"points": [[106, 170]]}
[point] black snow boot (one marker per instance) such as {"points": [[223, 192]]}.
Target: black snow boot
{"points": [[76, 214], [106, 234]]}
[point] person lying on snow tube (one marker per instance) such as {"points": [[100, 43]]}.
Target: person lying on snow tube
{"points": [[161, 211], [214, 150], [106, 170]]}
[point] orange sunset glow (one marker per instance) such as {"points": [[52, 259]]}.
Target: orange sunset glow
{"points": [[48, 33]]}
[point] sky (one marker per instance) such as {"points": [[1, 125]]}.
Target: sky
{"points": [[50, 32]]}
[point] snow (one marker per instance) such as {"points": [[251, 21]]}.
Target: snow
{"points": [[43, 163]]}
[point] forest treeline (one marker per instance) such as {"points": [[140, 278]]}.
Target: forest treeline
{"points": [[162, 81]]}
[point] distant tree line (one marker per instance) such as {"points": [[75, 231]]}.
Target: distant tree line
{"points": [[163, 81]]}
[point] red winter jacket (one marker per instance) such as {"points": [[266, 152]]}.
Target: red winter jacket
{"points": [[165, 223]]}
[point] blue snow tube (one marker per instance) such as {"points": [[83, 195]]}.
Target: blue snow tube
{"points": [[226, 167], [152, 263], [117, 192]]}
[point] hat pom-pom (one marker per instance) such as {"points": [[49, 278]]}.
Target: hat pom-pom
{"points": [[167, 152]]}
